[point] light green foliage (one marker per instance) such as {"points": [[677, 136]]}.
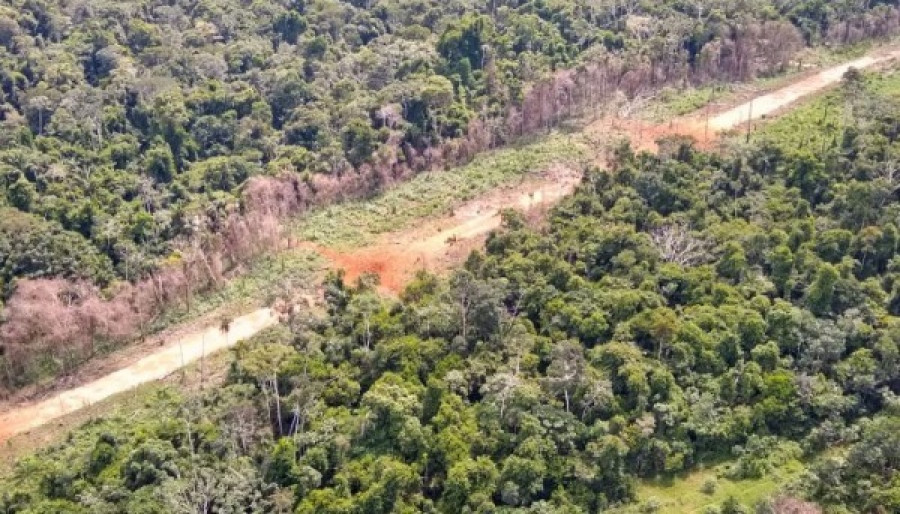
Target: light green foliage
{"points": [[573, 368], [687, 492], [673, 102], [820, 122], [132, 124]]}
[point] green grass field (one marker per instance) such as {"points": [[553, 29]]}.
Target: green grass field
{"points": [[435, 193], [684, 493]]}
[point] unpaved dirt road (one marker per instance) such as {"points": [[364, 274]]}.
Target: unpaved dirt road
{"points": [[434, 245], [774, 102], [152, 367], [430, 245], [705, 127]]}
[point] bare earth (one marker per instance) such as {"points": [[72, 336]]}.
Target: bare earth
{"points": [[155, 366], [437, 244], [772, 103], [434, 245]]}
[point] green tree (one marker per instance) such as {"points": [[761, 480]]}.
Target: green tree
{"points": [[22, 194], [359, 140], [820, 295], [159, 162], [733, 263], [782, 262]]}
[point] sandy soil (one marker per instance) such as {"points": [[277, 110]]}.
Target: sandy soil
{"points": [[705, 126], [434, 245], [155, 366], [772, 103]]}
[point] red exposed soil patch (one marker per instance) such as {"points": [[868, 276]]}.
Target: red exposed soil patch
{"points": [[436, 245], [391, 266], [644, 135]]}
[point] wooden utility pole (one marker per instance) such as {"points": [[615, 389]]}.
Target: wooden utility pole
{"points": [[202, 360], [750, 120]]}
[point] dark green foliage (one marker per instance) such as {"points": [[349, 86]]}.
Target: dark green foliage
{"points": [[867, 479], [149, 464], [684, 308], [31, 247]]}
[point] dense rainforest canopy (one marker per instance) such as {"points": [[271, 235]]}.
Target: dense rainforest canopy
{"points": [[681, 308]]}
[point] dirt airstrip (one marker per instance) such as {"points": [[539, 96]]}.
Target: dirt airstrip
{"points": [[433, 244]]}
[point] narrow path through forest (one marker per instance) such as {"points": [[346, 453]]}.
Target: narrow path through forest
{"points": [[434, 245], [772, 103]]}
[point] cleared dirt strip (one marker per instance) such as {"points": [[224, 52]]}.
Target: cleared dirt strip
{"points": [[769, 104], [155, 366]]}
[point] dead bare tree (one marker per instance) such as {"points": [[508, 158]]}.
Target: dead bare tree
{"points": [[788, 505], [29, 333], [676, 244]]}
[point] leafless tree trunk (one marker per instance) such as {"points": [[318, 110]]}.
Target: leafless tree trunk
{"points": [[677, 245]]}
